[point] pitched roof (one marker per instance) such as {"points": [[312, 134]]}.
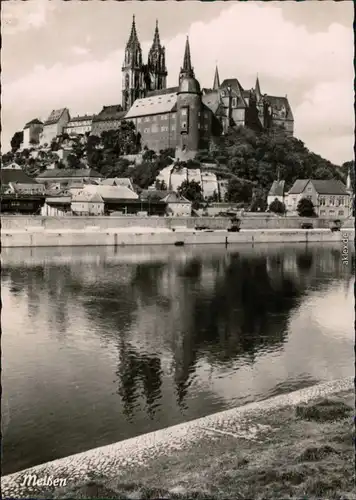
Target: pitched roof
{"points": [[55, 116], [64, 172], [175, 198], [277, 188], [212, 100], [112, 112], [117, 181], [298, 186], [331, 186], [35, 121], [155, 105], [87, 196], [112, 192], [9, 175], [236, 89], [154, 193]]}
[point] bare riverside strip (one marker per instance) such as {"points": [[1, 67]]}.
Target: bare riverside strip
{"points": [[116, 459], [95, 236]]}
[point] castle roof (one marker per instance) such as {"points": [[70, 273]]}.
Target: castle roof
{"points": [[212, 100], [154, 105], [55, 116], [35, 121], [189, 85]]}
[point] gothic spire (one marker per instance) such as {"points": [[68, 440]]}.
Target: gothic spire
{"points": [[216, 83], [187, 69], [156, 40], [258, 88], [133, 40]]}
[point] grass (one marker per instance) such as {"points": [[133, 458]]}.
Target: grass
{"points": [[308, 454]]}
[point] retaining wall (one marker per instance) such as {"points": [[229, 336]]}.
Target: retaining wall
{"points": [[61, 238], [14, 222]]}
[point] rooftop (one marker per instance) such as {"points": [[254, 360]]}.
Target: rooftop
{"points": [[277, 188], [154, 105], [55, 116], [35, 121], [331, 186], [15, 175], [67, 172]]}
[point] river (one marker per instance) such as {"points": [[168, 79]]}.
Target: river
{"points": [[103, 344]]}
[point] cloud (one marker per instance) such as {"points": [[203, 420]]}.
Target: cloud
{"points": [[79, 51], [314, 69], [21, 16]]}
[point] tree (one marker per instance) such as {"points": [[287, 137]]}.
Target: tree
{"points": [[305, 208], [277, 207], [239, 191], [16, 141], [191, 190]]}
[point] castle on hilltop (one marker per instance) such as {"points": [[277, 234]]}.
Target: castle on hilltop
{"points": [[184, 117]]}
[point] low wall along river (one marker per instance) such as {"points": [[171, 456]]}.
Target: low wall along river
{"points": [[25, 231]]}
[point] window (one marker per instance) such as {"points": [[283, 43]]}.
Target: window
{"points": [[332, 200], [138, 120], [322, 212], [234, 102], [308, 197], [164, 117], [341, 200], [147, 119], [309, 188], [173, 127], [322, 201], [331, 212], [183, 112], [341, 212]]}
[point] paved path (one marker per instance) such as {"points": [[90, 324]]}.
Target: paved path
{"points": [[109, 460]]}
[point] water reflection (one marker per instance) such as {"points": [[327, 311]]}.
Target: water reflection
{"points": [[149, 337]]}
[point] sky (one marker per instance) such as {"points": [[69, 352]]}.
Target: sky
{"points": [[69, 54]]}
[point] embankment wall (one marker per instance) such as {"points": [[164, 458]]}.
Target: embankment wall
{"points": [[62, 238], [14, 222]]}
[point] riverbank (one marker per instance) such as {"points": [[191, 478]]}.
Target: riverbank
{"points": [[292, 446], [95, 236]]}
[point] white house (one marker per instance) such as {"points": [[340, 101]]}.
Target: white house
{"points": [[79, 125], [329, 197], [177, 206], [87, 203]]}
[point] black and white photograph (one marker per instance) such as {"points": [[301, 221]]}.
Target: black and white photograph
{"points": [[177, 250]]}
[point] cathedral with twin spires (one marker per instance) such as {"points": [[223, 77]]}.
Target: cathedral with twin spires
{"points": [[186, 117]]}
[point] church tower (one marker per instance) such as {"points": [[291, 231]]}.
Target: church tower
{"points": [[132, 70], [156, 66], [189, 107]]}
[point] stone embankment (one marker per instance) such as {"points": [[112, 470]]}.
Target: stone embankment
{"points": [[245, 426], [118, 231]]}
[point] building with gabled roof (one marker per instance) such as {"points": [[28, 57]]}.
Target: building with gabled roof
{"points": [[329, 197], [54, 125]]}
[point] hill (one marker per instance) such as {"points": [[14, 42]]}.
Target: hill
{"points": [[250, 161]]}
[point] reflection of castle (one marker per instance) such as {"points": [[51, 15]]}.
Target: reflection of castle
{"points": [[185, 116]]}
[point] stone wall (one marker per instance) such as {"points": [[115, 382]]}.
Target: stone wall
{"points": [[15, 223]]}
